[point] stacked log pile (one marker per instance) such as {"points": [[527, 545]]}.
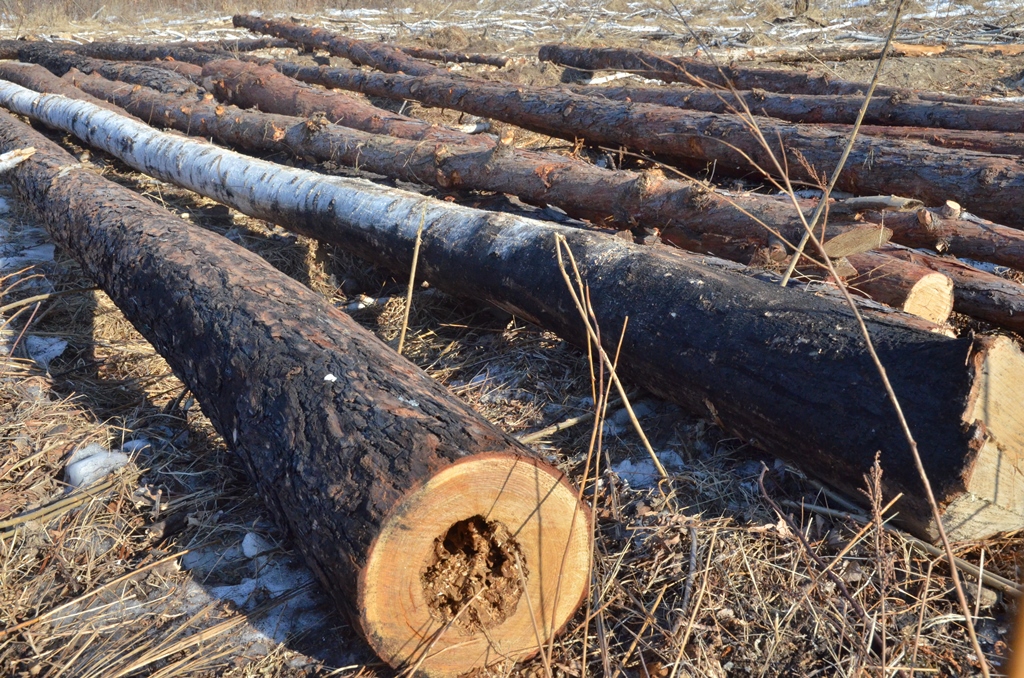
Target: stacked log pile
{"points": [[713, 335]]}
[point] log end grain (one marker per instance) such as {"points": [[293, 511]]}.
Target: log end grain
{"points": [[487, 559], [994, 497], [906, 286]]}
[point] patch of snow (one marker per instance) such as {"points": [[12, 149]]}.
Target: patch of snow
{"points": [[136, 445], [91, 463], [44, 350], [640, 473], [254, 545]]}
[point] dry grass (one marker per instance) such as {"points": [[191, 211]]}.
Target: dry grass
{"points": [[703, 579]]}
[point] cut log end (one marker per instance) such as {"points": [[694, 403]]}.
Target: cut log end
{"points": [[501, 550], [913, 289], [931, 298], [994, 500]]}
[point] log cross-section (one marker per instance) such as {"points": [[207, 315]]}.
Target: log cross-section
{"points": [[409, 507], [784, 369]]}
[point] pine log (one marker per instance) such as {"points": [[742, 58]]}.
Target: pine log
{"points": [[841, 109], [190, 71], [905, 285], [40, 79], [976, 293], [760, 357], [60, 62], [449, 57], [964, 235], [858, 51], [739, 228], [989, 185], [333, 425], [377, 55], [702, 73]]}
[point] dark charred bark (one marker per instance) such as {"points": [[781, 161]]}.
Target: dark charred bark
{"points": [[336, 431], [360, 52], [693, 72], [445, 56], [197, 53], [840, 109], [989, 185], [60, 62], [688, 214]]}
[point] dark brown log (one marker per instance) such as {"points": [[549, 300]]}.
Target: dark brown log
{"points": [[904, 285], [962, 236], [693, 72], [369, 463], [40, 79], [766, 360], [739, 228], [360, 52], [989, 185], [977, 293], [858, 51], [60, 62], [841, 109], [194, 52], [448, 57], [190, 71], [253, 86]]}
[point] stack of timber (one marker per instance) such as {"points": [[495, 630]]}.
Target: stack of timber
{"points": [[332, 424], [700, 331]]}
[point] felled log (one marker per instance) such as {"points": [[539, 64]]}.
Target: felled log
{"points": [[377, 55], [756, 355], [449, 57], [737, 228], [694, 72], [190, 71], [40, 79], [859, 51], [977, 293], [989, 185], [906, 285], [60, 62], [955, 233], [392, 488], [810, 108], [254, 86]]}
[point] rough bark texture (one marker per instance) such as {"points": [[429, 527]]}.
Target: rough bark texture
{"points": [[255, 86], [330, 423], [858, 51], [963, 236], [40, 79], [60, 62], [757, 356], [360, 52], [693, 72], [740, 228], [841, 109], [977, 293], [988, 185], [448, 57]]}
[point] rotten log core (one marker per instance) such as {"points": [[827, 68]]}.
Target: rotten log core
{"points": [[366, 460], [754, 354]]}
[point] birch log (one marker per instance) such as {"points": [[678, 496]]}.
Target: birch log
{"points": [[989, 185], [763, 359], [374, 467]]}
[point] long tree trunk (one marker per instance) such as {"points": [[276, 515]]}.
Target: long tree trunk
{"points": [[991, 186], [668, 204], [371, 464], [40, 79], [786, 369], [60, 62], [736, 228], [449, 57], [360, 52], [841, 109], [693, 72]]}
